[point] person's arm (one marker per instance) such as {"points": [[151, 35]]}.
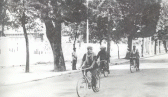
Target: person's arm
{"points": [[107, 56], [94, 61], [130, 53], [138, 54], [83, 59], [98, 55]]}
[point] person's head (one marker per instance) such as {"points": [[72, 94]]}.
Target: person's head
{"points": [[134, 47], [89, 49], [102, 48]]}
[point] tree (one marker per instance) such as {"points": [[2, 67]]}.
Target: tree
{"points": [[118, 34], [18, 10], [102, 25], [74, 33], [109, 18], [162, 24], [139, 15], [106, 16], [3, 17], [23, 16], [53, 13]]}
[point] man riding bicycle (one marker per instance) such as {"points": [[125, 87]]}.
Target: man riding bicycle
{"points": [[103, 56], [89, 61], [135, 54]]}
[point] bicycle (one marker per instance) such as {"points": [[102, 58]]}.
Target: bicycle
{"points": [[104, 69], [87, 82], [133, 65]]}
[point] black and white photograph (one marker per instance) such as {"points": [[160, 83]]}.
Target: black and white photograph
{"points": [[83, 48]]}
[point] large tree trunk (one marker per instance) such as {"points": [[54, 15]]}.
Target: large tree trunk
{"points": [[100, 41], [27, 42], [129, 46], [53, 31], [3, 25], [118, 51], [3, 18], [108, 47], [159, 47], [74, 45], [155, 46], [164, 43], [108, 37], [142, 47]]}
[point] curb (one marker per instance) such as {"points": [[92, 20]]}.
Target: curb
{"points": [[127, 60], [72, 71], [42, 78]]}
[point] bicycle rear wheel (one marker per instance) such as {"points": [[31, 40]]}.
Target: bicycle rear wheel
{"points": [[96, 83], [81, 87], [132, 67], [105, 73], [105, 70]]}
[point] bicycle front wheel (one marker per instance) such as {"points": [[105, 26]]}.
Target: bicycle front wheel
{"points": [[81, 87], [96, 83]]}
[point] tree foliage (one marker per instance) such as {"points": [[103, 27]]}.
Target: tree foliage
{"points": [[100, 9], [4, 19], [55, 12], [140, 15], [162, 26]]}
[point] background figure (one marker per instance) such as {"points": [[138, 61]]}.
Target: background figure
{"points": [[74, 59], [104, 56], [135, 53]]}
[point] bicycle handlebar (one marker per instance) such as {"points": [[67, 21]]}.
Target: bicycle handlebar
{"points": [[103, 60], [85, 68]]}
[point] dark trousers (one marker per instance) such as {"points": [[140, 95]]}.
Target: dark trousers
{"points": [[74, 64], [106, 65], [137, 62]]}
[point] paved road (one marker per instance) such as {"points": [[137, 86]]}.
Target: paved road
{"points": [[150, 81]]}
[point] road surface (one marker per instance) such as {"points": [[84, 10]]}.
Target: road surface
{"points": [[150, 81]]}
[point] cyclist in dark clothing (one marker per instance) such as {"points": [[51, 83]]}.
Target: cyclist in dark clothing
{"points": [[103, 56], [89, 61], [135, 53]]}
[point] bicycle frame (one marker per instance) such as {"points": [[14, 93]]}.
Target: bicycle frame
{"points": [[104, 69], [86, 77], [105, 61], [88, 84], [134, 64]]}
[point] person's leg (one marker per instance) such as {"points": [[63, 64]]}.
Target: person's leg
{"points": [[131, 61], [83, 70], [75, 61], [137, 63], [107, 66], [72, 64], [101, 66], [94, 75]]}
